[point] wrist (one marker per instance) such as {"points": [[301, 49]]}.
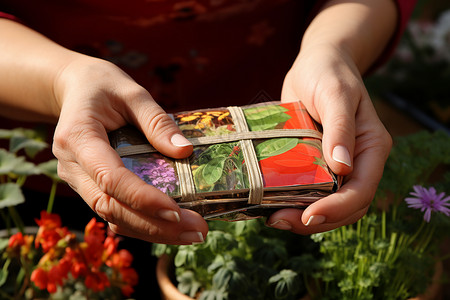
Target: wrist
{"points": [[360, 29]]}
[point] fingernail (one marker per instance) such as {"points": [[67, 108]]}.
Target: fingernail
{"points": [[281, 224], [180, 141], [341, 154], [195, 237], [169, 215], [315, 220]]}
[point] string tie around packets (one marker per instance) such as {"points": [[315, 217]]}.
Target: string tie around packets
{"points": [[244, 137]]}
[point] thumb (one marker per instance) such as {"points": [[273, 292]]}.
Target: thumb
{"points": [[161, 131], [338, 142]]}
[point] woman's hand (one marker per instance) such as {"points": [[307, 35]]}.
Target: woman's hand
{"points": [[342, 42], [355, 142], [96, 97]]}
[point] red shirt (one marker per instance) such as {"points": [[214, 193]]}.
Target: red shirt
{"points": [[188, 54]]}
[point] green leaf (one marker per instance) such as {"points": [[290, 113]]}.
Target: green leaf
{"points": [[222, 276], [186, 256], [31, 146], [9, 161], [349, 268], [286, 283], [49, 168], [10, 195], [213, 170], [274, 147], [3, 276], [3, 243], [32, 141], [187, 283], [213, 295], [6, 134], [26, 169]]}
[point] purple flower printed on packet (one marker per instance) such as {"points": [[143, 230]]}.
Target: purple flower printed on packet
{"points": [[428, 200], [159, 173]]}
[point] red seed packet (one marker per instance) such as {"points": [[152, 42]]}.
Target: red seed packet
{"points": [[247, 161]]}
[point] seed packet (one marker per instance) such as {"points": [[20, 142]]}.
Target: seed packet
{"points": [[247, 161]]}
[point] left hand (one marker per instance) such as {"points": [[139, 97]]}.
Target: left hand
{"points": [[355, 142]]}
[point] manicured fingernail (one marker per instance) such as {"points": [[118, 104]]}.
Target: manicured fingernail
{"points": [[341, 154], [315, 220], [169, 215], [195, 237], [180, 141], [281, 224]]}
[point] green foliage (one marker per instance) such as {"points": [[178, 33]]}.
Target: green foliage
{"points": [[241, 260], [10, 195], [389, 253], [31, 141]]}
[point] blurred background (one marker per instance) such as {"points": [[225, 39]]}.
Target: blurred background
{"points": [[416, 80]]}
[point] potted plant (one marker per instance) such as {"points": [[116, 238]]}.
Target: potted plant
{"points": [[50, 261], [392, 252], [241, 260], [389, 254]]}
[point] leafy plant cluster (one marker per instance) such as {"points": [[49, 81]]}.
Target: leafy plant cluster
{"points": [[241, 260], [16, 168], [388, 254], [391, 252], [51, 262]]}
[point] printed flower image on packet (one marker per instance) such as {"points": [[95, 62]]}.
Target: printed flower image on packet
{"points": [[247, 161]]}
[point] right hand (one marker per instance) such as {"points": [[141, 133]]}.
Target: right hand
{"points": [[96, 97]]}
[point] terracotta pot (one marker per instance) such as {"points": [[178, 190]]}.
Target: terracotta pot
{"points": [[434, 291], [168, 290]]}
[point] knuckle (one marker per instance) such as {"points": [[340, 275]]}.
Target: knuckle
{"points": [[103, 208], [104, 180], [62, 173], [158, 123]]}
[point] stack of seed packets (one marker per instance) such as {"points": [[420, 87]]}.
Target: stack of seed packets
{"points": [[247, 161]]}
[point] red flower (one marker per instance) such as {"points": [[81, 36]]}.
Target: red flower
{"points": [[20, 244], [110, 246], [39, 278], [121, 262], [96, 281], [49, 279], [50, 231], [130, 279], [16, 240]]}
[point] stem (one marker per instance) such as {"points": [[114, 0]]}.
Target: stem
{"points": [[7, 220], [26, 281], [445, 257], [16, 218], [51, 199], [21, 180], [410, 240]]}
